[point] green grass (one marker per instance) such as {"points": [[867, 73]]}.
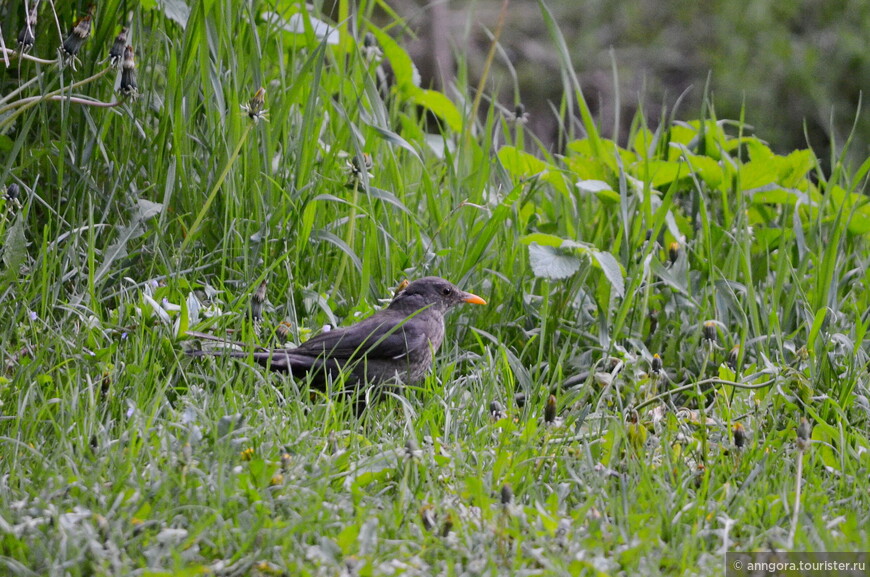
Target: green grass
{"points": [[139, 222]]}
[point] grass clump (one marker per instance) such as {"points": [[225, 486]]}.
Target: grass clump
{"points": [[672, 364]]}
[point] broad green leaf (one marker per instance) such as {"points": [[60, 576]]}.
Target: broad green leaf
{"points": [[299, 23], [600, 189], [707, 169], [588, 168], [544, 239], [794, 168], [440, 106], [643, 143], [520, 163], [148, 209], [176, 10], [773, 194], [662, 172], [612, 270], [757, 149], [551, 263], [757, 173], [14, 247], [682, 134], [407, 76]]}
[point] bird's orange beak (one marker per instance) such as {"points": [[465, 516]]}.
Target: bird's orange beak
{"points": [[474, 299]]}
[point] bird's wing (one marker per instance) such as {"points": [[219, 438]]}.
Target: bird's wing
{"points": [[372, 338]]}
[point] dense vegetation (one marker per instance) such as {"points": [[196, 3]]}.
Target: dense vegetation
{"points": [[672, 363]]}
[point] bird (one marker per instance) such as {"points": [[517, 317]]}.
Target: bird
{"points": [[394, 344]]}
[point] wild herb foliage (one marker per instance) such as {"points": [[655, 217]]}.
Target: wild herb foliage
{"points": [[672, 363]]}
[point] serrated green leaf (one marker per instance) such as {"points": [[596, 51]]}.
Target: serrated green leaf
{"points": [[662, 172], [551, 263], [520, 163], [794, 168]]}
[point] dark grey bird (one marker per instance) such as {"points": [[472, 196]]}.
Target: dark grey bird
{"points": [[396, 343]]}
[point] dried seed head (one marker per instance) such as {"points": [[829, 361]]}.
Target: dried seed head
{"points": [[550, 409], [358, 165], [674, 251], [496, 411], [80, 32], [804, 432], [286, 461], [507, 494], [257, 300], [371, 50], [411, 448], [116, 53], [739, 435], [710, 332], [733, 357], [12, 191], [27, 36], [520, 399], [519, 116], [128, 85], [448, 526], [429, 517], [255, 106]]}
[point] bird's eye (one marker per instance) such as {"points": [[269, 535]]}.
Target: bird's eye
{"points": [[446, 291]]}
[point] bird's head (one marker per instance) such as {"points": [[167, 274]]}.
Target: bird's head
{"points": [[432, 292]]}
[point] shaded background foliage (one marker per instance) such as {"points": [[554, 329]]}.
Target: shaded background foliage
{"points": [[790, 65]]}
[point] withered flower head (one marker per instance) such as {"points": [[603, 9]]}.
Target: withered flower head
{"points": [[656, 365], [519, 116], [550, 409], [254, 107], [283, 331], [12, 191], [710, 332], [27, 36], [804, 433], [429, 517], [496, 410], [117, 51], [371, 50], [359, 165], [674, 251], [733, 357], [77, 36], [128, 75], [739, 435], [257, 300], [507, 494]]}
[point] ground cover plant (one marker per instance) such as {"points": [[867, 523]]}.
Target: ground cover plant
{"points": [[672, 362]]}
